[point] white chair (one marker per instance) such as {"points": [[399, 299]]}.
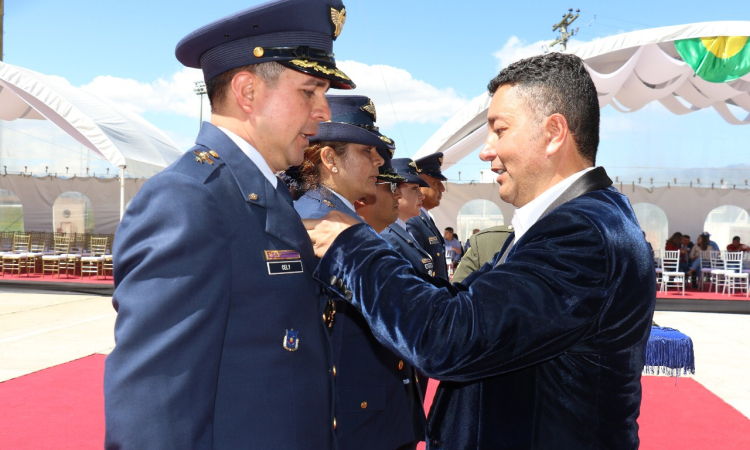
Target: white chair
{"points": [[705, 269], [717, 271], [734, 276], [671, 275]]}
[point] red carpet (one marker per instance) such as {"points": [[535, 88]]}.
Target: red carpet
{"points": [[701, 295], [31, 278], [57, 408], [62, 408]]}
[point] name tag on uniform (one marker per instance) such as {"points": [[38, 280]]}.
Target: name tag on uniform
{"points": [[282, 262], [433, 240], [284, 267], [427, 263]]}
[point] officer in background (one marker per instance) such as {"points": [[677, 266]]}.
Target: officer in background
{"points": [[403, 241], [482, 247], [221, 340], [422, 227]]}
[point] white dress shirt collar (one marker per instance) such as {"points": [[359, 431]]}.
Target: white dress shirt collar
{"points": [[526, 216], [254, 156]]}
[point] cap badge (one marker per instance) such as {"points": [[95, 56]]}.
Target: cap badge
{"points": [[291, 341], [338, 18], [369, 108]]}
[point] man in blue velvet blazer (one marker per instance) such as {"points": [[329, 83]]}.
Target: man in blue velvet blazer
{"points": [[221, 341], [543, 347]]}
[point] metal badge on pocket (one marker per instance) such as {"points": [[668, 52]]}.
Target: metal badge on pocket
{"points": [[291, 341]]}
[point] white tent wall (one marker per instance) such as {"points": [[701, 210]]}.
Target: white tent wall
{"points": [[686, 208], [38, 194]]}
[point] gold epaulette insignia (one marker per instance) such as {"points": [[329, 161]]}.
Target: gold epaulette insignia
{"points": [[202, 157]]}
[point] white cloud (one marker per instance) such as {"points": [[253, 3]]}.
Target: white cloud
{"points": [[174, 95], [398, 95], [516, 49]]}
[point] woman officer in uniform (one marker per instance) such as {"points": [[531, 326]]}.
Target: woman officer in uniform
{"points": [[378, 403]]}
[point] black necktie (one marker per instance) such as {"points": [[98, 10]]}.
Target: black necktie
{"points": [[283, 191]]}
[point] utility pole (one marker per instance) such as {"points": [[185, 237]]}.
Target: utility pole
{"points": [[2, 14], [563, 25]]}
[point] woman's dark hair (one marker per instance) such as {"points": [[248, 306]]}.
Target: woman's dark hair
{"points": [[702, 242], [306, 176], [676, 239]]}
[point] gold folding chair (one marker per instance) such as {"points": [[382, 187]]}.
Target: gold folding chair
{"points": [[36, 252], [53, 263], [92, 264], [16, 259]]}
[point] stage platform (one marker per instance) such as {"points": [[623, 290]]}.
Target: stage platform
{"points": [[696, 300], [65, 283]]}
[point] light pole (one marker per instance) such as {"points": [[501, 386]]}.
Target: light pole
{"points": [[200, 89]]}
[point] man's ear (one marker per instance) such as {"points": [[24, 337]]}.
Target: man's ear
{"points": [[557, 131], [244, 88]]}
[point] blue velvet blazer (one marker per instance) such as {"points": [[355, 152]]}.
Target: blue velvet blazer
{"points": [[407, 246], [206, 312], [378, 404], [430, 239], [544, 351]]}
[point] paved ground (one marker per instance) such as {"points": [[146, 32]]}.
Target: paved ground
{"points": [[40, 330]]}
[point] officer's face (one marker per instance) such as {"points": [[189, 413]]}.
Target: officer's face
{"points": [[285, 114], [381, 209], [358, 171], [411, 200], [516, 148], [432, 194]]}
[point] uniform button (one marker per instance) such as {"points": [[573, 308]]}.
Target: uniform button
{"points": [[334, 371], [340, 283], [348, 295], [438, 254], [333, 280], [400, 365], [334, 424], [363, 405]]}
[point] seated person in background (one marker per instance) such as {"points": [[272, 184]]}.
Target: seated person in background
{"points": [[480, 249], [452, 246], [695, 257], [674, 243], [714, 246], [736, 246]]}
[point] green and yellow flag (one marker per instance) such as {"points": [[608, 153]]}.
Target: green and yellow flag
{"points": [[716, 59]]}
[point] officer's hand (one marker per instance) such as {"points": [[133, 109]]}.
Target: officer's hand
{"points": [[324, 231]]}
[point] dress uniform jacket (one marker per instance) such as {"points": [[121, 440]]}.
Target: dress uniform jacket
{"points": [[430, 239], [481, 248], [407, 246], [220, 340], [377, 404], [544, 351]]}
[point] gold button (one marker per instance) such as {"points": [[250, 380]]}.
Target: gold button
{"points": [[253, 196], [400, 365], [363, 405], [438, 254], [334, 423], [334, 371], [258, 52]]}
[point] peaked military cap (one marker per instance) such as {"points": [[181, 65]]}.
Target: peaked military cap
{"points": [[296, 33], [388, 173], [430, 165], [353, 120], [408, 169]]}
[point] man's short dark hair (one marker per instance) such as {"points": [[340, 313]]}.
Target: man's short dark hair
{"points": [[216, 86], [557, 83], [449, 229], [736, 238]]}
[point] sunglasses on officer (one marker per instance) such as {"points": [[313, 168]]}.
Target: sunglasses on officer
{"points": [[394, 186]]}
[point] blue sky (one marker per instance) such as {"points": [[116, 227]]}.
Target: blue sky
{"points": [[420, 60]]}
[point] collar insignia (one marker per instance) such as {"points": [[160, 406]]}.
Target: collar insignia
{"points": [[329, 204], [338, 18], [202, 157], [369, 108]]}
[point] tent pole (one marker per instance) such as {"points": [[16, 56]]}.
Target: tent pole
{"points": [[122, 192]]}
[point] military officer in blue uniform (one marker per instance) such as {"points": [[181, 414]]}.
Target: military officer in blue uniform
{"points": [[378, 403], [397, 234], [422, 227], [221, 341]]}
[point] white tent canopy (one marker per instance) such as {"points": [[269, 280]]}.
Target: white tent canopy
{"points": [[119, 136], [629, 70]]}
